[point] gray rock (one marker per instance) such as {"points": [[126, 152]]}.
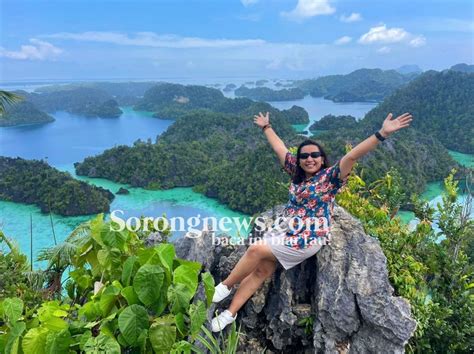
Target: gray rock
{"points": [[341, 295]]}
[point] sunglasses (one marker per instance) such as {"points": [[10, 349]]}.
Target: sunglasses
{"points": [[314, 155]]}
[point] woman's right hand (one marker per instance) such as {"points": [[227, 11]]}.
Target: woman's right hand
{"points": [[261, 120]]}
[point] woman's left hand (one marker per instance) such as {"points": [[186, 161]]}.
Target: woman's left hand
{"points": [[390, 125]]}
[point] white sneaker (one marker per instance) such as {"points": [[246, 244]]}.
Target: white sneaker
{"points": [[218, 323], [221, 291]]}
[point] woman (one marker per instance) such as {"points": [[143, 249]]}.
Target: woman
{"points": [[312, 192]]}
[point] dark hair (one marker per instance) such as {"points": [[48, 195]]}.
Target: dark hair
{"points": [[299, 174]]}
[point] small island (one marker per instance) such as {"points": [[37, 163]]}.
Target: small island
{"points": [[229, 87], [24, 112], [267, 94], [296, 115], [363, 85], [330, 122], [84, 101], [35, 182]]}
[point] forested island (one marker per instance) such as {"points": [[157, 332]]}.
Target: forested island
{"points": [[442, 104], [229, 87], [172, 101], [296, 115], [331, 122], [88, 102], [267, 94], [35, 182], [125, 93], [223, 155], [23, 113], [363, 85]]}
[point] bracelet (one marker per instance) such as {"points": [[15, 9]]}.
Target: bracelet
{"points": [[379, 136], [266, 126]]}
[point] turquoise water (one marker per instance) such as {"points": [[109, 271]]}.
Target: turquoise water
{"points": [[177, 202], [433, 191], [71, 138]]}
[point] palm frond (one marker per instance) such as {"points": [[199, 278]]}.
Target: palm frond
{"points": [[7, 99]]}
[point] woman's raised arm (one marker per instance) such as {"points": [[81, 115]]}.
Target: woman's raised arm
{"points": [[389, 127], [263, 121]]}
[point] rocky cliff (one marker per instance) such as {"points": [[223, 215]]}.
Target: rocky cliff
{"points": [[342, 295]]}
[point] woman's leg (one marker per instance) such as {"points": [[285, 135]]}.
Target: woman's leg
{"points": [[251, 283], [256, 253]]}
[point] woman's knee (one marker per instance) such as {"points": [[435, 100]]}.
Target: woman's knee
{"points": [[256, 250], [265, 269]]}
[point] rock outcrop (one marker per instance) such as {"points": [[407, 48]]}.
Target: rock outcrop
{"points": [[338, 301]]}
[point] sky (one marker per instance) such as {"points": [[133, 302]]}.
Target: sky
{"points": [[152, 39]]}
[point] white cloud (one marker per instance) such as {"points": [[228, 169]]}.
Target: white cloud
{"points": [[309, 8], [383, 35], [151, 39], [417, 41], [343, 40], [384, 50], [38, 50], [248, 2], [353, 17]]}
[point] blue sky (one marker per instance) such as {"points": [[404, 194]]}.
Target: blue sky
{"points": [[71, 39]]}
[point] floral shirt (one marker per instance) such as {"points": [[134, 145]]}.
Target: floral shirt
{"points": [[311, 201]]}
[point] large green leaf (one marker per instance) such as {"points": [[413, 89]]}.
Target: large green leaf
{"points": [[130, 295], [162, 302], [132, 321], [114, 239], [12, 345], [12, 309], [162, 334], [179, 297], [127, 272], [167, 254], [58, 342], [145, 254], [102, 344], [209, 286], [107, 299], [50, 315], [186, 275], [180, 324], [148, 282], [198, 315], [34, 341]]}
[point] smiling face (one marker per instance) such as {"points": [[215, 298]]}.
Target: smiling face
{"points": [[310, 165]]}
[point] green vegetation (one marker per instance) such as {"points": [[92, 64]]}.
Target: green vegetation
{"points": [[331, 122], [267, 94], [296, 115], [121, 296], [433, 270], [125, 93], [222, 155], [23, 113], [465, 68], [181, 97], [89, 102], [35, 182], [442, 105], [218, 150], [363, 85]]}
